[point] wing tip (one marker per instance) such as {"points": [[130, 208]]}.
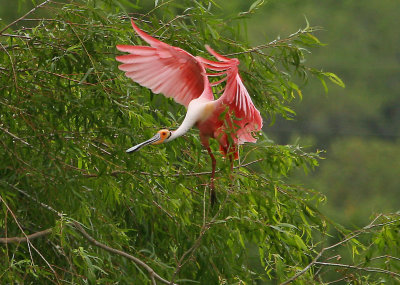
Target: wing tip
{"points": [[221, 57], [146, 37], [124, 48], [135, 27]]}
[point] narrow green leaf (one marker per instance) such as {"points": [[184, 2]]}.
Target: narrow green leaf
{"points": [[334, 78]]}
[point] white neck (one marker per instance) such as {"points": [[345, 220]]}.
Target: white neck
{"points": [[187, 124], [183, 129], [194, 113]]}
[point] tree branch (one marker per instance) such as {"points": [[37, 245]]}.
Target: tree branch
{"points": [[275, 43], [28, 241], [117, 172], [152, 273], [351, 236], [368, 269], [25, 238]]}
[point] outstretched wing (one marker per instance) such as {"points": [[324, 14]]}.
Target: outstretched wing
{"points": [[237, 98], [164, 69]]}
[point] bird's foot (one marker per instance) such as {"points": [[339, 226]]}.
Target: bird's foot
{"points": [[213, 194]]}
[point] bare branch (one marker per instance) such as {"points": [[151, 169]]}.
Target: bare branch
{"points": [[386, 257], [34, 199], [25, 238], [368, 269], [14, 136]]}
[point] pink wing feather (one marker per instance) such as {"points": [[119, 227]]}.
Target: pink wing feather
{"points": [[165, 69], [237, 98]]}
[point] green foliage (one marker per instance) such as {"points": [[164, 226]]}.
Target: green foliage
{"points": [[67, 114]]}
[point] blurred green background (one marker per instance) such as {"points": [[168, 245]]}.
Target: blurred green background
{"points": [[358, 126]]}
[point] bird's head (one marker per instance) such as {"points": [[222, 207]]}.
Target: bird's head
{"points": [[160, 137]]}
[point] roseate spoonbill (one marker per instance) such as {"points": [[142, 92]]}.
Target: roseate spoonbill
{"points": [[231, 119]]}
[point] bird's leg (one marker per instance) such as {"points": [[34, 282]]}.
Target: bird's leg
{"points": [[231, 160], [213, 195]]}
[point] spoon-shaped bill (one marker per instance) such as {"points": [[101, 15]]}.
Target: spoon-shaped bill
{"points": [[154, 139]]}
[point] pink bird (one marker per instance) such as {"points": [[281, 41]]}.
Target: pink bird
{"points": [[232, 119]]}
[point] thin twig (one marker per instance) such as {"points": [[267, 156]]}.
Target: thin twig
{"points": [[169, 22], [368, 269], [91, 60], [14, 136], [277, 43], [70, 79], [116, 172], [34, 199], [190, 252], [16, 36], [12, 66], [384, 256], [29, 12], [165, 211]]}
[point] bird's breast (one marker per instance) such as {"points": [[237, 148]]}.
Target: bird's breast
{"points": [[207, 111], [200, 110]]}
